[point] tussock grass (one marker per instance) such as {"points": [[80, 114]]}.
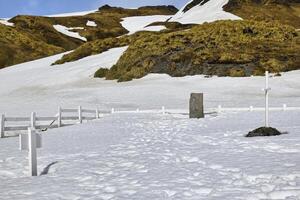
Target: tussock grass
{"points": [[34, 36], [223, 48], [283, 11]]}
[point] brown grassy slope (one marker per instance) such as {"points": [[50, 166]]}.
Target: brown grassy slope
{"points": [[223, 48], [108, 20], [17, 47], [101, 45], [284, 11], [39, 30]]}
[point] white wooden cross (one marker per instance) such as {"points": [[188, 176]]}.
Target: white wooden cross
{"points": [[267, 89], [31, 142]]}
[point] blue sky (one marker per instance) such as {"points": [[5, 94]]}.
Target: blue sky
{"points": [[10, 8]]}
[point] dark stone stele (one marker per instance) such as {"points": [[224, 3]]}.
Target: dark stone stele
{"points": [[264, 131], [196, 105]]}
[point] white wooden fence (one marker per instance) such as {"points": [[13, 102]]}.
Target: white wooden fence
{"points": [[79, 115], [64, 117], [252, 108]]}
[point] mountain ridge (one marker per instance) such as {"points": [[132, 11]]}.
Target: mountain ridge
{"points": [[40, 29], [253, 25]]}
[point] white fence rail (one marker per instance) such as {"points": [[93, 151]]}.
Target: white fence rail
{"points": [[64, 117], [70, 116], [252, 108], [209, 110]]}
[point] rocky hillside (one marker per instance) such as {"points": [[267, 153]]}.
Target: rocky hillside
{"points": [[199, 11], [284, 11], [102, 24], [267, 39], [101, 45], [17, 47], [223, 48], [210, 37]]}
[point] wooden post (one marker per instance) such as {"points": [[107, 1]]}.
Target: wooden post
{"points": [[33, 120], [32, 152], [2, 126], [79, 115], [97, 113], [196, 105], [59, 122]]}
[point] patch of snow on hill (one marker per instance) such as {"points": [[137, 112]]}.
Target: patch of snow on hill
{"points": [[209, 12], [139, 23], [91, 23], [72, 14], [38, 86], [40, 73], [6, 22], [154, 28], [67, 31]]}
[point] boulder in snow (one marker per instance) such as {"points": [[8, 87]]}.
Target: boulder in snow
{"points": [[264, 131]]}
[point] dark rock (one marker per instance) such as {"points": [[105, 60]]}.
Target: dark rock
{"points": [[277, 74], [194, 3], [105, 7], [170, 8], [264, 131]]}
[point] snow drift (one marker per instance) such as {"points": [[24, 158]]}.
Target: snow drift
{"points": [[206, 12]]}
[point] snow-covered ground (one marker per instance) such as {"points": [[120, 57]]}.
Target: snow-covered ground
{"points": [[82, 13], [91, 23], [68, 31], [208, 12], [152, 156], [148, 155], [139, 23], [38, 86], [5, 22]]}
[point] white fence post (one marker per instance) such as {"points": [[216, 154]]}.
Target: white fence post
{"points": [[284, 107], [137, 110], [163, 110], [251, 108], [32, 152], [97, 113], [2, 126], [80, 114], [112, 111], [59, 117], [33, 120], [219, 108]]}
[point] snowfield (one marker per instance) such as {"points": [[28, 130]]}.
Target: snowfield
{"points": [[91, 23], [38, 86], [68, 32], [82, 13], [208, 12], [145, 156], [153, 156], [5, 22], [149, 156], [140, 23]]}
